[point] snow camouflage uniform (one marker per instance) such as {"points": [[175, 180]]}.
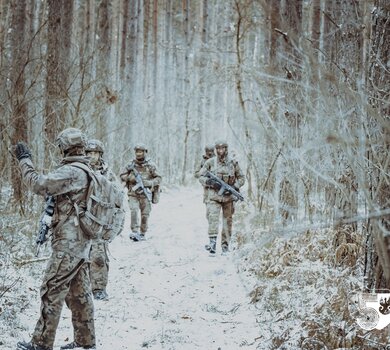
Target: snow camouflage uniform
{"points": [[66, 277], [229, 171], [209, 153], [137, 200], [99, 251]]}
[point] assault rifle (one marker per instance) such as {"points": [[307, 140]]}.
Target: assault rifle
{"points": [[223, 187], [139, 186], [45, 222]]}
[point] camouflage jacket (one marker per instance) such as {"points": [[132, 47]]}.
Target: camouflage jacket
{"points": [[149, 174], [67, 184], [228, 170]]}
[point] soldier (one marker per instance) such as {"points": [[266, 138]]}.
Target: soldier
{"points": [[67, 273], [209, 153], [142, 181], [99, 258], [229, 171]]}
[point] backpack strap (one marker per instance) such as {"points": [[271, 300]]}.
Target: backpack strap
{"points": [[88, 193], [90, 174], [75, 205], [82, 166], [62, 221]]}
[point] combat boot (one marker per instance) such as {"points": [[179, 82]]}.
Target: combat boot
{"points": [[30, 346], [100, 294], [212, 245], [74, 345], [138, 237], [225, 248], [134, 236]]}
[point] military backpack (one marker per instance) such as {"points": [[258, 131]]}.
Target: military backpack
{"points": [[100, 214]]}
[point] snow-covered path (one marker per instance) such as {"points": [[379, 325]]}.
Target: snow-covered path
{"points": [[167, 292]]}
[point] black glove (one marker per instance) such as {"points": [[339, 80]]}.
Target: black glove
{"points": [[213, 184], [210, 182], [22, 151], [131, 179]]}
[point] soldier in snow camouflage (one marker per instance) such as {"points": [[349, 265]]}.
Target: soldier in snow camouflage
{"points": [[66, 277], [230, 172], [99, 258], [138, 201]]}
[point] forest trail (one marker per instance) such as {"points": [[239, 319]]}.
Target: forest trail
{"points": [[167, 292]]}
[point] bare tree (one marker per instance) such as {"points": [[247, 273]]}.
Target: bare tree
{"points": [[60, 16], [378, 265], [18, 104]]}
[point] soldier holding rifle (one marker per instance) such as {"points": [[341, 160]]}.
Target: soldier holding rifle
{"points": [[143, 183], [66, 279], [222, 178]]}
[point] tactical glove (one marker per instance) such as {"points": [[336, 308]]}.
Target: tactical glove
{"points": [[131, 178], [148, 183], [213, 184], [22, 151]]}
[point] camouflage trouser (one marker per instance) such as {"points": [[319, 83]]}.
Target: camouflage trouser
{"points": [[99, 265], [136, 205], [66, 279], [213, 211]]}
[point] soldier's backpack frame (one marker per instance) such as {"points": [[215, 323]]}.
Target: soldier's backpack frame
{"points": [[100, 214]]}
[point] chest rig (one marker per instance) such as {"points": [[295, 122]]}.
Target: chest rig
{"points": [[224, 170], [143, 168]]}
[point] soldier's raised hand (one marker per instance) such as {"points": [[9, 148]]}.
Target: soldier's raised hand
{"points": [[22, 151]]}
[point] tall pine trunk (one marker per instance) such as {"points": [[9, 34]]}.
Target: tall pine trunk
{"points": [[60, 18]]}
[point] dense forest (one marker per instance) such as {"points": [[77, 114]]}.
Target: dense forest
{"points": [[298, 88]]}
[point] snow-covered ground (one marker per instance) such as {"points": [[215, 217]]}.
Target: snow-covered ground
{"points": [[165, 292]]}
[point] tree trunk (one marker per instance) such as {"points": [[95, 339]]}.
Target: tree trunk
{"points": [[104, 92], [17, 94], [378, 273], [58, 69]]}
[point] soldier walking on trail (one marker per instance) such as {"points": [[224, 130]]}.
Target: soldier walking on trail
{"points": [[67, 274], [142, 181], [229, 171], [99, 251]]}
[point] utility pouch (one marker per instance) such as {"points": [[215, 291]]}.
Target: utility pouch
{"points": [[156, 195]]}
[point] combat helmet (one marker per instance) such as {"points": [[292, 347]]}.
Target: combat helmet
{"points": [[94, 145], [209, 148], [221, 143], [71, 138], [140, 146]]}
